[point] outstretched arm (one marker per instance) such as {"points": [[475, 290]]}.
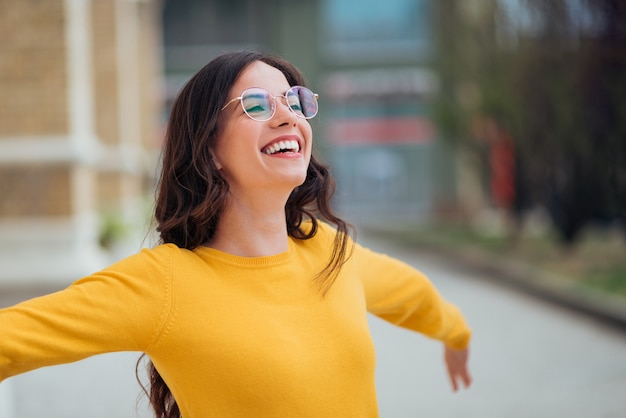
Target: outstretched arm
{"points": [[121, 308], [456, 363]]}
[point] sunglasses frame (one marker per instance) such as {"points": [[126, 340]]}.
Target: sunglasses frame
{"points": [[275, 106]]}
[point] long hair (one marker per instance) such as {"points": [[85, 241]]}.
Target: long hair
{"points": [[192, 192]]}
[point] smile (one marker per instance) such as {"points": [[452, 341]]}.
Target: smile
{"points": [[282, 147]]}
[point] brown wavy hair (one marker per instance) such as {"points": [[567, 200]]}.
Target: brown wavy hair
{"points": [[192, 193]]}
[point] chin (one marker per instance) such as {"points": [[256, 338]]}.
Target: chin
{"points": [[295, 176], [298, 183]]}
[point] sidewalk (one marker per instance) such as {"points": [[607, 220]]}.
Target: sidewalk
{"points": [[521, 276]]}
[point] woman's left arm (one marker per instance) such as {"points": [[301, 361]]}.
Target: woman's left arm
{"points": [[402, 295]]}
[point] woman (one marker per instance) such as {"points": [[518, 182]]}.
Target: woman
{"points": [[251, 306]]}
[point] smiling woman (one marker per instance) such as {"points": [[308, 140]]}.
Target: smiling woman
{"points": [[255, 302]]}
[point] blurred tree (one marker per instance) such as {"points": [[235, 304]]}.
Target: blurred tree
{"points": [[543, 79]]}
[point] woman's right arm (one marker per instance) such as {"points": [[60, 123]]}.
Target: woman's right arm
{"points": [[121, 308]]}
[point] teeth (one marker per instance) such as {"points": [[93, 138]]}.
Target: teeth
{"points": [[291, 145]]}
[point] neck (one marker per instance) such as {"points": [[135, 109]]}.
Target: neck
{"points": [[252, 229]]}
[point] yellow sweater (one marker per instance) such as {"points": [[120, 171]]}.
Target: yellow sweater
{"points": [[236, 336]]}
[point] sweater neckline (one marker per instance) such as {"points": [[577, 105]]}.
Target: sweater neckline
{"points": [[243, 261]]}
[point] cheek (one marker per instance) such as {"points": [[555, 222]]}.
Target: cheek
{"points": [[226, 158], [225, 146], [307, 134]]}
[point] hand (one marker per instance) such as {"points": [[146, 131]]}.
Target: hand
{"points": [[456, 362]]}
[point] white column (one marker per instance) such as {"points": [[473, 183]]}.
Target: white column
{"points": [[79, 70], [129, 151], [82, 136]]}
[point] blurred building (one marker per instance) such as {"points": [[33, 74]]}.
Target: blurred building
{"points": [[378, 86], [370, 63], [195, 31], [79, 115]]}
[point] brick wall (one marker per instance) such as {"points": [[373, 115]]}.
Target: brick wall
{"points": [[80, 114], [35, 190], [32, 69]]}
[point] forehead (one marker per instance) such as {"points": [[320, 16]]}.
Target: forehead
{"points": [[260, 74]]}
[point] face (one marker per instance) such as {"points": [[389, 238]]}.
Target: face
{"points": [[245, 149]]}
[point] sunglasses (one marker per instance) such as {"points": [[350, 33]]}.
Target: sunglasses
{"points": [[260, 105]]}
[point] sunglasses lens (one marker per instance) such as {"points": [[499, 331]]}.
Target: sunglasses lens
{"points": [[302, 101], [257, 104]]}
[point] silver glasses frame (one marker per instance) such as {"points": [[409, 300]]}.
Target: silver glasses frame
{"points": [[240, 98]]}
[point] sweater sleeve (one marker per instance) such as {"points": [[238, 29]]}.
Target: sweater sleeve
{"points": [[402, 295], [121, 308]]}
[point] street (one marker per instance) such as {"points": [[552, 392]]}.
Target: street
{"points": [[529, 359]]}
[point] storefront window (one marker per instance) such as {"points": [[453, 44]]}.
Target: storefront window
{"points": [[374, 30]]}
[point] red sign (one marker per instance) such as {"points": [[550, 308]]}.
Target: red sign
{"points": [[392, 130]]}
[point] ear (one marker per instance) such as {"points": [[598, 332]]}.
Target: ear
{"points": [[216, 161]]}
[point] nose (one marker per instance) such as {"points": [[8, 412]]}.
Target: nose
{"points": [[284, 113], [282, 99]]}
